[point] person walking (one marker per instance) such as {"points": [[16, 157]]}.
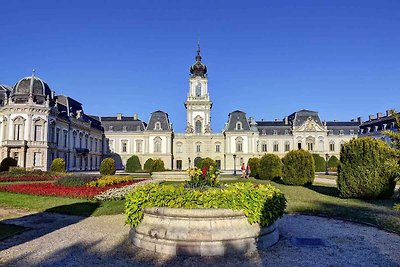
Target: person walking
{"points": [[248, 171], [243, 168]]}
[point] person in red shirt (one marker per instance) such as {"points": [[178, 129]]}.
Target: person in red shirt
{"points": [[243, 168]]}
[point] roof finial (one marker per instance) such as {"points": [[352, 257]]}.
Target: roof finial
{"points": [[198, 57], [33, 73]]}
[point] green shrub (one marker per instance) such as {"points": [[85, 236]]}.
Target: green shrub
{"points": [[7, 163], [254, 164], [133, 164], [262, 204], [368, 169], [107, 167], [206, 162], [333, 163], [148, 165], [319, 163], [397, 207], [270, 167], [298, 168], [76, 180], [57, 165], [17, 171], [158, 165]]}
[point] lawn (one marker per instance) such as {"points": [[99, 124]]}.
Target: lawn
{"points": [[319, 199]]}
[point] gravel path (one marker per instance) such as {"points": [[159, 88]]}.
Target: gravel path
{"points": [[61, 240]]}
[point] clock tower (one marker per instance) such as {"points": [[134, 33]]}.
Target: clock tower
{"points": [[198, 104]]}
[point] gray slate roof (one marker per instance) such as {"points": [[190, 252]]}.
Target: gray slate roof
{"points": [[269, 127], [237, 116], [299, 117], [128, 124], [159, 116]]}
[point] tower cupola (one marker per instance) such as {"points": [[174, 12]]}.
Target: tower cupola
{"points": [[198, 68]]}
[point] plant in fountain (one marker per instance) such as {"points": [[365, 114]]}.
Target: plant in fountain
{"points": [[203, 178]]}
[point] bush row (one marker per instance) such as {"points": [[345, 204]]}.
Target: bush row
{"points": [[262, 204]]}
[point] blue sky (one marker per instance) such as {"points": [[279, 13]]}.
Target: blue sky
{"points": [[267, 58]]}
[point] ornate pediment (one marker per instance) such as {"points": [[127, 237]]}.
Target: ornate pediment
{"points": [[310, 126]]}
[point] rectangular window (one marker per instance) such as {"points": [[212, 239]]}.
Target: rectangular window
{"points": [[139, 147], [198, 148], [217, 148], [65, 138], [276, 147], [239, 147], [74, 141], [264, 147], [299, 145], [57, 136], [95, 145], [37, 156], [80, 141], [310, 146], [287, 147], [91, 143], [18, 132], [38, 133], [331, 147], [179, 164], [124, 146]]}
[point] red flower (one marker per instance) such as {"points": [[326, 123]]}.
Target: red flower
{"points": [[204, 170], [50, 189]]}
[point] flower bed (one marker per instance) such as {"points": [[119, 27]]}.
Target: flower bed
{"points": [[119, 193], [262, 204], [28, 178], [110, 180], [59, 190]]}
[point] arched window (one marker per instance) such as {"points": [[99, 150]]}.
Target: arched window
{"points": [[5, 129], [38, 130], [264, 147], [198, 126], [239, 144], [310, 141], [198, 147], [157, 145], [239, 126], [19, 128], [157, 126], [198, 90]]}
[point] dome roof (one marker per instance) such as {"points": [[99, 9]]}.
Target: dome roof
{"points": [[31, 86], [198, 68]]}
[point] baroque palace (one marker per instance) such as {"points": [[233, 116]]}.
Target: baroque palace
{"points": [[36, 126]]}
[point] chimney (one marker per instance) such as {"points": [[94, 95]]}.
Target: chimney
{"points": [[119, 116], [389, 112], [379, 115], [135, 117], [276, 119], [371, 117], [359, 119]]}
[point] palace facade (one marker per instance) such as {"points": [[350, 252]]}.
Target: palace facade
{"points": [[36, 126]]}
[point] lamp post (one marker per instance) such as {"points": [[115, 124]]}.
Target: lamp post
{"points": [[189, 161], [326, 164], [234, 164]]}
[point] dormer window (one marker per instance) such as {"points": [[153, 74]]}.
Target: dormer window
{"points": [[157, 126], [340, 132], [286, 132], [138, 128], [275, 132], [351, 132], [110, 128], [124, 128], [239, 126], [264, 132]]}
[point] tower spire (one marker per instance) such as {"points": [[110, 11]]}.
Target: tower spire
{"points": [[198, 56]]}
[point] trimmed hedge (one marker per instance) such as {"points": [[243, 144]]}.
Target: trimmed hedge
{"points": [[254, 164], [7, 163], [270, 167], [133, 164], [57, 165], [262, 204], [206, 162], [76, 180], [333, 163], [107, 167], [158, 165], [148, 165], [298, 168], [319, 163], [368, 169]]}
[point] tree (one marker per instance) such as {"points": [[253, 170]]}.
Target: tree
{"points": [[319, 163], [254, 165], [270, 167], [58, 165], [133, 164], [298, 168], [107, 167]]}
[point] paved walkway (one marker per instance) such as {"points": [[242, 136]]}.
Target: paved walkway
{"points": [[61, 240]]}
